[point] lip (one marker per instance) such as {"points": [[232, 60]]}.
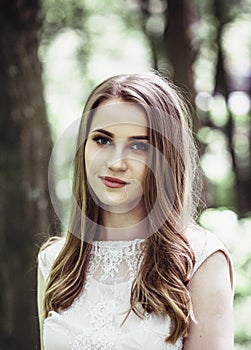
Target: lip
{"points": [[113, 182]]}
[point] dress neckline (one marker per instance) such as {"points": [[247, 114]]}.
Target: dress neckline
{"points": [[118, 243]]}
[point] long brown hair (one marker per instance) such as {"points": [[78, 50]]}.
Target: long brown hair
{"points": [[161, 285]]}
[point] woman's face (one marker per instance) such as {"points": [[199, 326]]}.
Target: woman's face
{"points": [[116, 153]]}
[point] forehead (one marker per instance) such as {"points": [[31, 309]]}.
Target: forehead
{"points": [[116, 114]]}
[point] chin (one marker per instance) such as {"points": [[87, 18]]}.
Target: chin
{"points": [[120, 207]]}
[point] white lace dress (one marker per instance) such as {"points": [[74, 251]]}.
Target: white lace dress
{"points": [[93, 320]]}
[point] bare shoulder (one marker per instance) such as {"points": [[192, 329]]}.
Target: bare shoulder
{"points": [[212, 296], [207, 245], [214, 272]]}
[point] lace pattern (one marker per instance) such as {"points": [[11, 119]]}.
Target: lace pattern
{"points": [[114, 262], [109, 260], [93, 321], [102, 333]]}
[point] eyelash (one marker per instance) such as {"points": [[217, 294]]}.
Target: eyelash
{"points": [[99, 139]]}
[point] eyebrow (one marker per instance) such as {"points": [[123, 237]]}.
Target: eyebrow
{"points": [[110, 134]]}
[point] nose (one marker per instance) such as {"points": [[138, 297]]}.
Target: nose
{"points": [[116, 160]]}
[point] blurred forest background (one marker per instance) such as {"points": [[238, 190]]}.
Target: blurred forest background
{"points": [[52, 53]]}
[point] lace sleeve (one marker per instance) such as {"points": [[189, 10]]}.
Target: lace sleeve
{"points": [[47, 257]]}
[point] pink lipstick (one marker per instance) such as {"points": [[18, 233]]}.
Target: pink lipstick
{"points": [[113, 182]]}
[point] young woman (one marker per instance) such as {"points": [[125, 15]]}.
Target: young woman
{"points": [[134, 270]]}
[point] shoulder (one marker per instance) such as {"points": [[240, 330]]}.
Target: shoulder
{"points": [[204, 244], [211, 289], [48, 254]]}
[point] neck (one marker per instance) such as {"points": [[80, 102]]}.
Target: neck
{"points": [[123, 226]]}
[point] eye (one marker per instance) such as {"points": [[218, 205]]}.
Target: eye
{"points": [[101, 140], [140, 146]]}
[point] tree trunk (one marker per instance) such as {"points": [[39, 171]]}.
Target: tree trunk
{"points": [[25, 210], [172, 53], [178, 43], [241, 188]]}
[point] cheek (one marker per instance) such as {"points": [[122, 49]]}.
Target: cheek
{"points": [[143, 171], [140, 170], [93, 157], [138, 165]]}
